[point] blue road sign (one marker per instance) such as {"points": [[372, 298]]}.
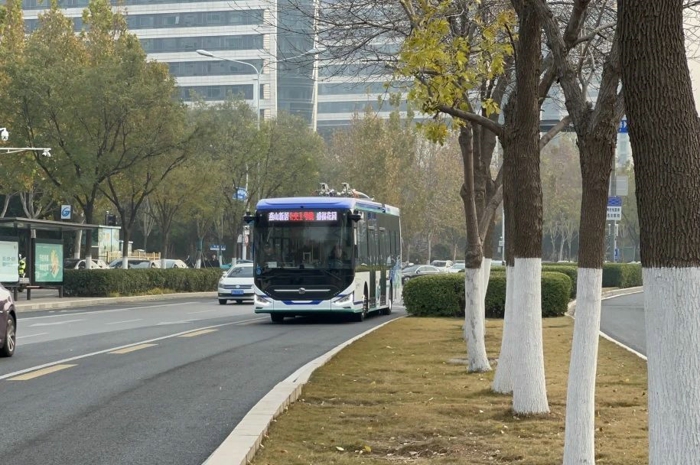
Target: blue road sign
{"points": [[65, 212], [215, 247], [614, 201], [617, 254], [623, 127], [241, 194]]}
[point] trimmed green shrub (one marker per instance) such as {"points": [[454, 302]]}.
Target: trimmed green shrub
{"points": [[443, 295], [622, 275], [571, 270], [104, 283], [437, 295]]}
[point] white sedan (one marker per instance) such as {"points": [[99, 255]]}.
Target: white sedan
{"points": [[236, 284]]}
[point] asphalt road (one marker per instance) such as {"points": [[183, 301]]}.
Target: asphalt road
{"points": [[622, 318], [154, 383]]}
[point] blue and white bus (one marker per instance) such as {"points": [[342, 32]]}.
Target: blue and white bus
{"points": [[325, 255]]}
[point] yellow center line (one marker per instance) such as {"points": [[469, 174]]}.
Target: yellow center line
{"points": [[199, 333], [42, 372], [132, 348]]}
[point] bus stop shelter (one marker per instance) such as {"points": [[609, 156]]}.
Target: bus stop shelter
{"points": [[40, 243]]}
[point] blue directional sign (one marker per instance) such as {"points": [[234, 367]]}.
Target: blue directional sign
{"points": [[615, 201], [623, 127], [241, 194], [65, 212]]}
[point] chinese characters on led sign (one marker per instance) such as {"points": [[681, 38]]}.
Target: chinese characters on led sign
{"points": [[302, 216]]}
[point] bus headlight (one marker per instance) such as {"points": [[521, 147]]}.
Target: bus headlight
{"points": [[260, 300], [347, 299]]}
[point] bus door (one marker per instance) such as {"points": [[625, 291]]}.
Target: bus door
{"points": [[382, 260], [372, 243]]}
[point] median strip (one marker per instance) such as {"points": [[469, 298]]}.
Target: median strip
{"points": [[42, 372]]}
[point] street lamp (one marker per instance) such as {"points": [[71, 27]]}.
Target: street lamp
{"points": [[5, 135], [258, 71], [208, 54]]}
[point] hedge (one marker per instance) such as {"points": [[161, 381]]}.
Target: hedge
{"points": [[443, 295], [571, 270], [107, 283], [622, 275]]}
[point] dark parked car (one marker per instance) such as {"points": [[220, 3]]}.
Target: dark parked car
{"points": [[418, 270], [8, 323]]}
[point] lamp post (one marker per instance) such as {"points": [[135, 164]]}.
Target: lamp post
{"points": [[258, 72]]}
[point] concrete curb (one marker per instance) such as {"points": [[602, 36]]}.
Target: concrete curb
{"points": [[243, 442], [68, 302], [611, 295], [607, 295]]}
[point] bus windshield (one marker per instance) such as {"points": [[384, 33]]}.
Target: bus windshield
{"points": [[303, 244]]}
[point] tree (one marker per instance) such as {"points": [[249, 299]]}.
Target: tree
{"points": [[664, 132], [596, 129], [561, 193], [103, 108]]}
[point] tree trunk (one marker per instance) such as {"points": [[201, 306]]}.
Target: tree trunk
{"points": [[665, 135], [89, 211], [503, 379], [597, 150], [561, 247], [126, 235], [473, 276], [529, 388], [5, 205]]}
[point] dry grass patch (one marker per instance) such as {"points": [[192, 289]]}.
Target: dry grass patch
{"points": [[393, 398]]}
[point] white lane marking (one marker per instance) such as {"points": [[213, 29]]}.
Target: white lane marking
{"points": [[112, 349], [27, 336], [56, 323], [124, 321], [180, 322], [203, 311], [99, 312]]}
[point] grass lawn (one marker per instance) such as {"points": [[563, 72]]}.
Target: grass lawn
{"points": [[394, 398]]}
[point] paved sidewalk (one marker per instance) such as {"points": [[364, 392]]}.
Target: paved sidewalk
{"points": [[51, 301]]}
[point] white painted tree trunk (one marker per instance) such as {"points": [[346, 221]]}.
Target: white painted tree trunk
{"points": [[474, 320], [486, 267], [579, 444], [503, 379], [486, 273], [78, 243], [529, 388], [672, 310]]}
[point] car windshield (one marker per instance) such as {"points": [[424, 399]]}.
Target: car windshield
{"points": [[240, 272], [410, 269], [458, 266], [70, 262], [439, 263]]}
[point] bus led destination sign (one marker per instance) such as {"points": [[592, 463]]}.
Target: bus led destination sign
{"points": [[300, 216]]}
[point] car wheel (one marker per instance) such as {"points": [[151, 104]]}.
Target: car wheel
{"points": [[222, 301], [8, 349], [276, 317]]}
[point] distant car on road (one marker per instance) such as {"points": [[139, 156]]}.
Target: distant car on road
{"points": [[418, 270], [79, 264], [237, 284], [456, 267], [135, 263], [8, 323], [442, 264], [173, 263]]}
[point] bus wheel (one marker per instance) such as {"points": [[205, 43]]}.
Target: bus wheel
{"points": [[277, 317], [365, 308]]}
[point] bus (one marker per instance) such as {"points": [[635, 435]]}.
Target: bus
{"points": [[325, 255]]}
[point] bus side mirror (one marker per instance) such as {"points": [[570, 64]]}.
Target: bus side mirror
{"points": [[248, 217], [355, 216]]}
